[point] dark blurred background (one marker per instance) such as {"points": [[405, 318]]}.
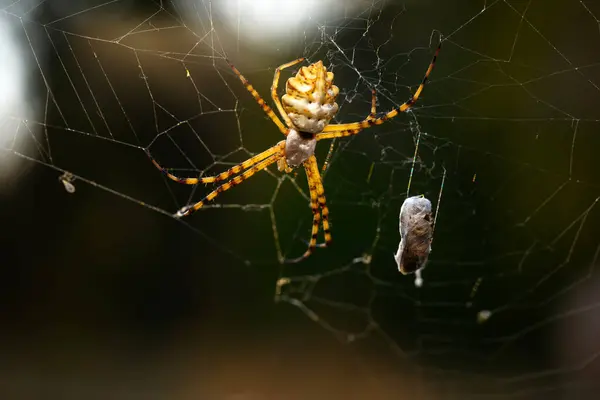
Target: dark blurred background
{"points": [[105, 295]]}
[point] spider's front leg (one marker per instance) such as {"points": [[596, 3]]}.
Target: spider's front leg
{"points": [[334, 135], [261, 101], [274, 86], [370, 121]]}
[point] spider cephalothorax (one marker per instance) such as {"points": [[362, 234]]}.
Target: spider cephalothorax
{"points": [[307, 108]]}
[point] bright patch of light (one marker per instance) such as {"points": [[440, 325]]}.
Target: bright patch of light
{"points": [[13, 98], [273, 16], [273, 22], [483, 316]]}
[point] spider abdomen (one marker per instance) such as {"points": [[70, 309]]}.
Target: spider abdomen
{"points": [[310, 96], [299, 146], [309, 116]]}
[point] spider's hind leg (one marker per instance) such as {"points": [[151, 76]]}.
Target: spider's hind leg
{"points": [[319, 209], [187, 210], [223, 175]]}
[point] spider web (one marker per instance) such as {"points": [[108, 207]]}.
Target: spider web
{"points": [[509, 302]]}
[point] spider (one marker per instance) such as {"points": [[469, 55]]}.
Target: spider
{"points": [[306, 108]]}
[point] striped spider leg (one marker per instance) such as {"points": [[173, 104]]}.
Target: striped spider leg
{"points": [[306, 108], [340, 130], [250, 167], [370, 117]]}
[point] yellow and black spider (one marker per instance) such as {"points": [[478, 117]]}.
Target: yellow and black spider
{"points": [[308, 106]]}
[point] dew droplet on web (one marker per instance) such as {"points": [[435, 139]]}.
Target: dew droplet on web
{"points": [[483, 316]]}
